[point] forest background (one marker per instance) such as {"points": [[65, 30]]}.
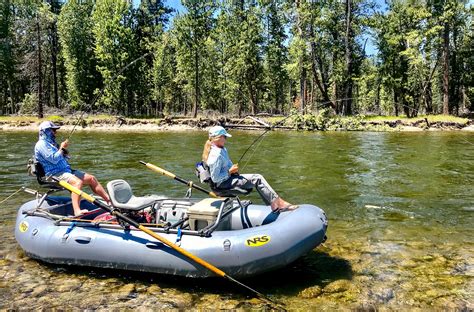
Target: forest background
{"points": [[237, 57]]}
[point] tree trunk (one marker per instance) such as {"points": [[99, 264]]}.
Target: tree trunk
{"points": [[321, 83], [446, 69], [348, 58], [196, 81], [302, 89], [395, 100], [377, 97], [40, 64], [428, 98], [54, 58], [455, 81]]}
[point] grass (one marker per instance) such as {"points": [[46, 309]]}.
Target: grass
{"points": [[270, 120], [19, 118], [431, 118]]}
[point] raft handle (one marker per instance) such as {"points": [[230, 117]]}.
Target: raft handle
{"points": [[83, 239]]}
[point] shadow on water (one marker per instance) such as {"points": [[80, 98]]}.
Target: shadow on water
{"points": [[315, 269]]}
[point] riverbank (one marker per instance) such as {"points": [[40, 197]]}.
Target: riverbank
{"points": [[297, 122]]}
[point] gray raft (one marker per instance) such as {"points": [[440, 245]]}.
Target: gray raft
{"points": [[242, 240]]}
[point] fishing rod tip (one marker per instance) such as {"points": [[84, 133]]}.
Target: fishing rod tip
{"points": [[142, 162]]}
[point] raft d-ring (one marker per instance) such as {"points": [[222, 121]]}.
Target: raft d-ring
{"points": [[189, 192], [227, 245], [69, 229]]}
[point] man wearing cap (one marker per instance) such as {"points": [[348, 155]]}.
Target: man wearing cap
{"points": [[225, 175], [53, 158]]}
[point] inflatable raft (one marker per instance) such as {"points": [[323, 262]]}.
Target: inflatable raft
{"points": [[240, 238]]}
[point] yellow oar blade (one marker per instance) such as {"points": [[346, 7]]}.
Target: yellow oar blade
{"points": [[179, 179]]}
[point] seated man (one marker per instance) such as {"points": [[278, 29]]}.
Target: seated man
{"points": [[53, 158]]}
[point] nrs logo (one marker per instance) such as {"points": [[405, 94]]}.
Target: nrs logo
{"points": [[23, 227], [257, 241]]}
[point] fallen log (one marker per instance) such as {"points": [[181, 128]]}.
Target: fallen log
{"points": [[256, 127]]}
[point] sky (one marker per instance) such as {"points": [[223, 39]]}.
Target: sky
{"points": [[370, 47]]}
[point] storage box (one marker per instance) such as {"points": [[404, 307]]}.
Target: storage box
{"points": [[203, 213]]}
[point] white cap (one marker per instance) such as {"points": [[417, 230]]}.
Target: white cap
{"points": [[218, 131], [48, 125]]}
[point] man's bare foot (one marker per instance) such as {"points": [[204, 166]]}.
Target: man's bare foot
{"points": [[81, 212]]}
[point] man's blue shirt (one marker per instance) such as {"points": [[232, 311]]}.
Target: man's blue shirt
{"points": [[48, 154]]}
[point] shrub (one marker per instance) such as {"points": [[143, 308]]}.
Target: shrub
{"points": [[29, 104]]}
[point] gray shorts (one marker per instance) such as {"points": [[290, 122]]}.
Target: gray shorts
{"points": [[67, 175]]}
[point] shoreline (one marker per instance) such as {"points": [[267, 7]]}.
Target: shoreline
{"points": [[180, 124]]}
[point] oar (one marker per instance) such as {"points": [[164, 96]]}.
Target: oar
{"points": [[173, 176], [142, 228]]}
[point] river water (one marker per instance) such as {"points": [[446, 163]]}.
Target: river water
{"points": [[400, 209]]}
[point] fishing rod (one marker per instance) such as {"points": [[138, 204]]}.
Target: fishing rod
{"points": [[103, 89]]}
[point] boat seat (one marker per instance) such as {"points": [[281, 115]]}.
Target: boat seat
{"points": [[122, 197], [231, 192], [204, 175], [35, 168]]}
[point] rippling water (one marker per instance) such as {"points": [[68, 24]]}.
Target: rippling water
{"points": [[400, 207]]}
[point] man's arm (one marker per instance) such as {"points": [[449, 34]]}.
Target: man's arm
{"points": [[49, 153]]}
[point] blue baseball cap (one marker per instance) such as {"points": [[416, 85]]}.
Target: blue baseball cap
{"points": [[218, 131], [48, 125]]}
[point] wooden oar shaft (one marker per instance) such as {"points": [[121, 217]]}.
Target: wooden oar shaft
{"points": [[184, 252], [179, 179]]}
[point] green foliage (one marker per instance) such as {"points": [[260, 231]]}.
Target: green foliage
{"points": [[321, 121], [239, 57], [114, 48], [56, 119], [75, 33], [29, 104], [192, 31]]}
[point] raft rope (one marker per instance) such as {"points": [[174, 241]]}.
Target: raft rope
{"points": [[178, 237], [13, 194]]}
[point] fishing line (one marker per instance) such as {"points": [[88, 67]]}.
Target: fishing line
{"points": [[281, 122], [251, 155], [21, 188]]}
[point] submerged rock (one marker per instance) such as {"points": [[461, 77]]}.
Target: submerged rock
{"points": [[311, 292], [337, 286], [126, 292], [153, 290], [39, 291], [69, 285], [382, 295]]}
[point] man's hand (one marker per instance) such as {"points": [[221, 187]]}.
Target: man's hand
{"points": [[64, 144], [234, 169]]}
